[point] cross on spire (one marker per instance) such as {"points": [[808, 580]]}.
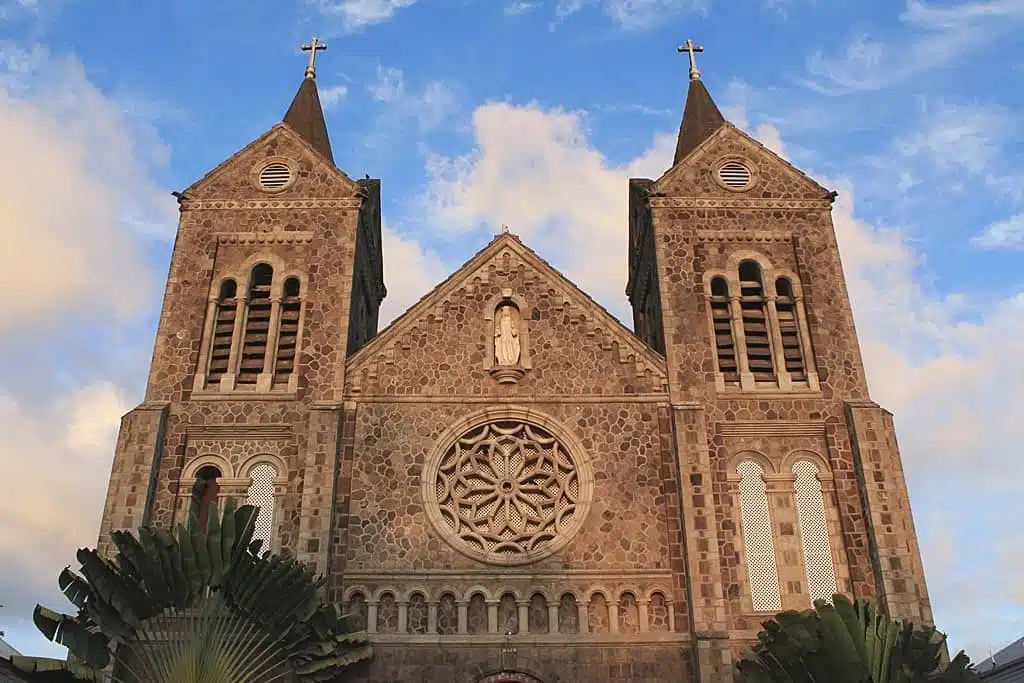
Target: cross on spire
{"points": [[693, 50], [312, 48]]}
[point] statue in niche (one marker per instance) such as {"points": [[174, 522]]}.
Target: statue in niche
{"points": [[506, 335]]}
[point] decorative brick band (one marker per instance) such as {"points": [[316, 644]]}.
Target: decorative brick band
{"points": [[234, 204], [754, 429], [744, 236], [276, 237], [737, 203], [239, 432]]}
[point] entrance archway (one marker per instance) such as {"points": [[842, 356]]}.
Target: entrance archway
{"points": [[509, 677]]}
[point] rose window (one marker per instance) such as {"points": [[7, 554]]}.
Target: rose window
{"points": [[507, 492]]}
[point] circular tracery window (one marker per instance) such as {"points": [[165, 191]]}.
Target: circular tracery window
{"points": [[507, 492]]}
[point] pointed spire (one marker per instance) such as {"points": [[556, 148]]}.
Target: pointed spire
{"points": [[305, 115], [701, 116]]}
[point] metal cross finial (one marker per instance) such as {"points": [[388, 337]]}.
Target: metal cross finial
{"points": [[504, 229], [312, 49], [693, 50]]}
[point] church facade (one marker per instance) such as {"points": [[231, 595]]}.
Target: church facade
{"points": [[506, 484]]}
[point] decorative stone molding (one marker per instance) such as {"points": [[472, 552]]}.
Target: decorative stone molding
{"points": [[738, 203], [244, 204], [257, 171], [744, 236], [771, 429], [507, 486], [274, 237], [237, 432]]}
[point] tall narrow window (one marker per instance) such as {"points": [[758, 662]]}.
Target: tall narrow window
{"points": [[261, 494], [810, 506], [223, 329], [204, 494], [257, 325], [755, 322], [721, 319], [789, 329], [288, 336], [762, 571]]}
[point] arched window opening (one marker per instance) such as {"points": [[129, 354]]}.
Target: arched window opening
{"points": [[657, 613], [763, 573], [476, 614], [223, 330], [288, 335], [508, 614], [755, 322], [568, 614], [204, 494], [789, 329], [597, 613], [358, 609], [257, 325], [629, 614], [261, 494], [721, 319], [810, 506], [447, 615], [538, 614], [387, 614], [416, 614]]}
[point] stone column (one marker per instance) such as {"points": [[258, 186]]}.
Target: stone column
{"points": [[227, 382], [371, 617], [403, 616], [584, 617], [553, 617], [788, 547], [613, 616], [432, 617], [740, 339], [775, 338], [199, 380], [266, 379], [492, 616], [463, 617], [670, 605], [524, 615], [806, 350], [645, 625]]}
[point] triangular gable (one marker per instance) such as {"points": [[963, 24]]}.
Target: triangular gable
{"points": [[602, 326], [278, 130], [717, 144]]}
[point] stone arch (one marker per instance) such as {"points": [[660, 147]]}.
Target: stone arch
{"points": [[659, 611], [631, 588], [712, 275], [766, 463], [649, 593], [509, 676], [627, 611], [568, 612], [273, 260], [208, 459], [804, 455], [269, 458], [594, 590], [416, 588], [740, 255], [506, 296], [376, 595], [352, 590], [473, 590]]}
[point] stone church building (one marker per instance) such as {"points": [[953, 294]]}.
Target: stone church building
{"points": [[506, 485]]}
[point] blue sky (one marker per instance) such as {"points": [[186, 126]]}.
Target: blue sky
{"points": [[476, 113]]}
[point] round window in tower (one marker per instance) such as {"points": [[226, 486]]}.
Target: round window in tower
{"points": [[735, 175], [507, 490], [275, 176]]}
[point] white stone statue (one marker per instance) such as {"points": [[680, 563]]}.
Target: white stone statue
{"points": [[506, 336]]}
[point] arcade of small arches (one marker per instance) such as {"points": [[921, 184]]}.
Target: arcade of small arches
{"points": [[759, 325], [477, 612], [251, 337]]}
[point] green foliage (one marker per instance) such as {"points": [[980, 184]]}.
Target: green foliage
{"points": [[195, 606], [849, 642]]}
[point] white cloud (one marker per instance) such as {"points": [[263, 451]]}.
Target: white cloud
{"points": [[634, 14], [960, 137], [517, 7], [1005, 234], [428, 106], [74, 179], [410, 271], [357, 14], [332, 96], [931, 36]]}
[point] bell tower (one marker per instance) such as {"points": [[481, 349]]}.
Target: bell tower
{"points": [[275, 278], [790, 480]]}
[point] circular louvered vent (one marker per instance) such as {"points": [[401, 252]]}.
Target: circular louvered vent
{"points": [[734, 175], [275, 176]]}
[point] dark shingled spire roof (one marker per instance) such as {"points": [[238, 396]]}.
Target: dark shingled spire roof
{"points": [[306, 117], [701, 118]]}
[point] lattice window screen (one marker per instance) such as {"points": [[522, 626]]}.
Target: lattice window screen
{"points": [[261, 493], [758, 539], [821, 573]]}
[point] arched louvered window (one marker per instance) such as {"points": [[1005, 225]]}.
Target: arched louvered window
{"points": [[204, 494], [261, 494], [762, 571], [721, 320], [789, 329], [288, 335], [257, 325], [223, 330], [754, 310], [810, 506]]}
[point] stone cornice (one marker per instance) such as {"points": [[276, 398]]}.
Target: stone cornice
{"points": [[769, 429], [239, 432], [274, 237], [738, 203], [250, 204]]}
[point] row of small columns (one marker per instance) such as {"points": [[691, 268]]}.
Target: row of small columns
{"points": [[583, 617], [747, 380]]}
